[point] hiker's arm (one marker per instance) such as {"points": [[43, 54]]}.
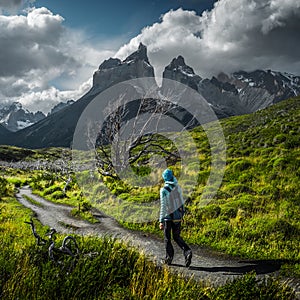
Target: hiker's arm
{"points": [[163, 209]]}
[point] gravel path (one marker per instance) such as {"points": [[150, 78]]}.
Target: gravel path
{"points": [[214, 268]]}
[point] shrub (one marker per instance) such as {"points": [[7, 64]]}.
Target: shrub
{"points": [[283, 227], [249, 287], [210, 211], [85, 206], [229, 212], [58, 195], [244, 202], [281, 163], [3, 187], [51, 189]]}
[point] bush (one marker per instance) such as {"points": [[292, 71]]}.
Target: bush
{"points": [[281, 163], [283, 227], [210, 211], [3, 187], [279, 138], [58, 195], [85, 206], [229, 212], [237, 188], [51, 189]]}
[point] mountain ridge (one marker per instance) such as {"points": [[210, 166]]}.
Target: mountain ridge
{"points": [[14, 117], [228, 94]]}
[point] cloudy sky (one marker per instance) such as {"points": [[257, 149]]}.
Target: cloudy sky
{"points": [[51, 48]]}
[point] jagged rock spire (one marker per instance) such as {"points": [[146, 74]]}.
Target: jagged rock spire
{"points": [[140, 54], [113, 70], [179, 71], [179, 64]]}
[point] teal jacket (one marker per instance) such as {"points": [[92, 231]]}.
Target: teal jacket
{"points": [[170, 211]]}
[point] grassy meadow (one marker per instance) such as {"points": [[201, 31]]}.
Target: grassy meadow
{"points": [[254, 214], [114, 271]]}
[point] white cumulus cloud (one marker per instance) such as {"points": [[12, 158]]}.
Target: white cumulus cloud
{"points": [[234, 35], [42, 61]]}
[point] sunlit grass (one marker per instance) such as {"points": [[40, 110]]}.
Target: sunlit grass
{"points": [[114, 271]]}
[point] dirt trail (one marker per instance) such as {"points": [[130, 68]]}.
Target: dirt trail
{"points": [[212, 267]]}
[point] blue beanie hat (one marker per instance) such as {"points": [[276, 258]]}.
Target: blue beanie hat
{"points": [[167, 175]]}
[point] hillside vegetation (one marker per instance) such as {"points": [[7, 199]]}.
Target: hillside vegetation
{"points": [[256, 211], [105, 268]]}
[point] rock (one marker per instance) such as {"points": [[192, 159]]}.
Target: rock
{"points": [[113, 70], [177, 70]]}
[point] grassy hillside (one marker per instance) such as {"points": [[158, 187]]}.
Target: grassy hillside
{"points": [[15, 154], [256, 211], [114, 271]]}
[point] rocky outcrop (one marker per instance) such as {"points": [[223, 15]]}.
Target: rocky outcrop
{"points": [[58, 128], [177, 70], [113, 70]]}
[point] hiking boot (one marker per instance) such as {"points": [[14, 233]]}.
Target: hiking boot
{"points": [[188, 258]]}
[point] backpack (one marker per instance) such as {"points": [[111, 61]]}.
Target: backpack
{"points": [[176, 207]]}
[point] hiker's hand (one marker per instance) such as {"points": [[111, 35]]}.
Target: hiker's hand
{"points": [[161, 226]]}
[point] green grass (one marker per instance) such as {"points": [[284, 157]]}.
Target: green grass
{"points": [[12, 153], [117, 271], [255, 212], [31, 200]]}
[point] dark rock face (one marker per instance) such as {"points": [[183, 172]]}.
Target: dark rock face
{"points": [[140, 54], [113, 70], [279, 85], [3, 131], [246, 92], [5, 136], [177, 70]]}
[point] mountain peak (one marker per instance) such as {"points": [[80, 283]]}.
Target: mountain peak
{"points": [[113, 70], [14, 117], [179, 71], [179, 61], [140, 54], [15, 106], [178, 65]]}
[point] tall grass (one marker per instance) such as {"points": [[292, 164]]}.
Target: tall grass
{"points": [[256, 211], [117, 271]]}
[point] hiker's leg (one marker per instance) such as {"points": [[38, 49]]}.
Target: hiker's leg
{"points": [[176, 229], [168, 244]]}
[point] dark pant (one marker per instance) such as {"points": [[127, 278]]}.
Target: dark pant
{"points": [[175, 228]]}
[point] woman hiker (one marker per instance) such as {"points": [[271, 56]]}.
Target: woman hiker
{"points": [[171, 214]]}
